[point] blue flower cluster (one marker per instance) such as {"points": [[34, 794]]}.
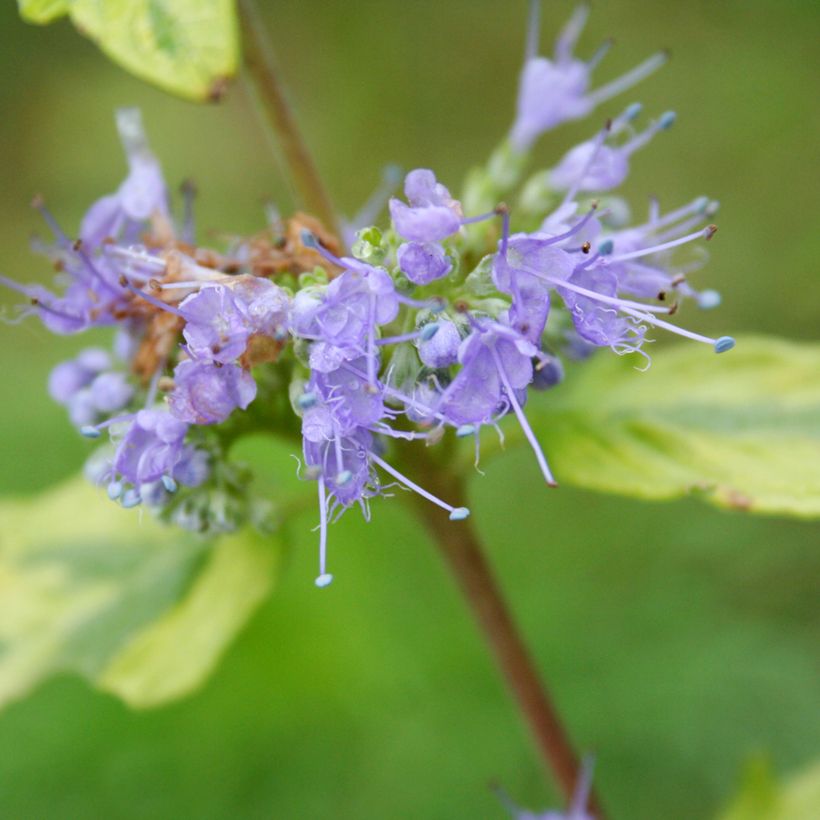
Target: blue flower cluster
{"points": [[442, 323]]}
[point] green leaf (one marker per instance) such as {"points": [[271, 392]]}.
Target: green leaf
{"points": [[42, 11], [187, 47], [741, 429], [762, 798], [139, 609]]}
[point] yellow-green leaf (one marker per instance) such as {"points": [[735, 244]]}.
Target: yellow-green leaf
{"points": [[741, 429], [42, 11], [187, 47], [140, 609], [761, 797]]}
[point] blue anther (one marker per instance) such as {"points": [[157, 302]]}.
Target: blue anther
{"points": [[667, 120], [343, 478], [306, 401], [323, 580], [606, 247], [459, 514], [308, 239], [428, 331], [708, 299], [724, 343], [169, 484], [392, 174], [114, 490], [632, 112], [90, 431], [701, 204], [130, 498], [437, 305], [465, 430]]}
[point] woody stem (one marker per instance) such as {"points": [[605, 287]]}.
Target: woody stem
{"points": [[461, 549], [269, 91]]}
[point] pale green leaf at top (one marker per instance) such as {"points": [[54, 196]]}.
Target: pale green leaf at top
{"points": [[138, 608], [186, 47], [740, 429], [761, 797], [43, 11]]}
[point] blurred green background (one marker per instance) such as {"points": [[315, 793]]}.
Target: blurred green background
{"points": [[678, 640]]}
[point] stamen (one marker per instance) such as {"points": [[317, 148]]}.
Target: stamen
{"points": [[324, 577], [36, 302], [369, 212], [436, 304], [425, 334], [724, 342], [576, 227], [596, 149], [456, 513], [706, 233], [600, 297], [169, 484], [89, 431], [152, 300], [626, 81], [664, 123], [188, 191], [522, 420], [533, 26], [114, 490], [595, 60], [466, 430], [568, 38]]}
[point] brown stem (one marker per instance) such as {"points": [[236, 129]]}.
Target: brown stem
{"points": [[461, 548], [270, 91]]}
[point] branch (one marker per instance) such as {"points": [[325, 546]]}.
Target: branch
{"points": [[270, 92], [461, 549]]}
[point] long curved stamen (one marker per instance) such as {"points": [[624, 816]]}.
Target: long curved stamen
{"points": [[626, 81], [600, 297], [595, 60], [425, 334], [705, 233], [369, 212], [522, 420], [663, 123], [456, 513], [324, 577], [152, 300], [533, 26], [568, 38], [721, 344]]}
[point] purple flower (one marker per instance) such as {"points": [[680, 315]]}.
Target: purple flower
{"points": [[598, 322], [423, 262], [351, 400], [81, 385], [493, 359], [441, 348], [151, 448], [266, 306], [554, 91], [110, 392], [344, 465], [142, 195], [216, 327], [432, 215], [207, 393], [596, 166]]}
